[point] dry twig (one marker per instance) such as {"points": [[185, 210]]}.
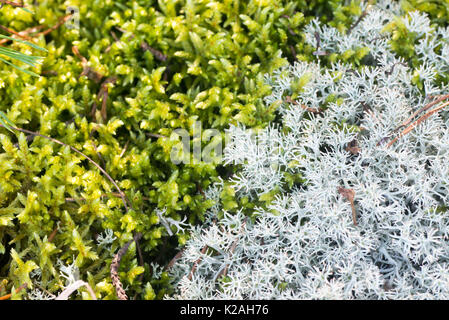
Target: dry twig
{"points": [[121, 294], [418, 121], [12, 4], [156, 53], [425, 108], [313, 110], [232, 249], [61, 21], [8, 296], [195, 264], [87, 71], [349, 195], [53, 234], [13, 32], [175, 258], [23, 34], [363, 15], [104, 93]]}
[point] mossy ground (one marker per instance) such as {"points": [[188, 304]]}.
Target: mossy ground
{"points": [[116, 88]]}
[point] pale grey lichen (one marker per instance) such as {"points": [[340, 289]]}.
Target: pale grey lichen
{"points": [[304, 245]]}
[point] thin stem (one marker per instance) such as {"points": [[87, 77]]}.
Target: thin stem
{"points": [[313, 110], [56, 26], [417, 122], [116, 264], [426, 107], [175, 258], [11, 31], [6, 297], [195, 264], [13, 4]]}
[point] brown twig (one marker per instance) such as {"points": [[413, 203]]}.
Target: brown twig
{"points": [[124, 149], [95, 148], [87, 71], [175, 258], [198, 186], [6, 297], [25, 37], [313, 110], [155, 135], [13, 4], [195, 264], [116, 39], [104, 93], [125, 31], [349, 195], [49, 73], [292, 49], [363, 15], [232, 249], [53, 234], [425, 108], [367, 109], [318, 52], [390, 72], [61, 21], [23, 33], [417, 122], [115, 266], [158, 55]]}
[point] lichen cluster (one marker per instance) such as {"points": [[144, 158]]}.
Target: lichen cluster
{"points": [[367, 218], [116, 87], [164, 65]]}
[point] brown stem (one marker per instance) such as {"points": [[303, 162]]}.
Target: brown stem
{"points": [[115, 264], [124, 149], [313, 110], [104, 93], [56, 26], [195, 264], [231, 251], [13, 4], [159, 55], [175, 258], [363, 15], [6, 297], [53, 234], [417, 123], [155, 135], [87, 71], [426, 107], [19, 34], [23, 33]]}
